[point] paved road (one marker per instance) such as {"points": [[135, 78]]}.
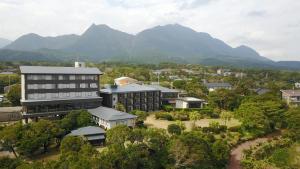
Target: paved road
{"points": [[236, 154]]}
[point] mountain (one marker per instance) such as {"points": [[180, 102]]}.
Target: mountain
{"points": [[102, 42], [169, 43], [289, 64], [31, 42], [4, 42]]}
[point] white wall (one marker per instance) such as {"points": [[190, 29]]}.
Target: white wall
{"points": [[22, 87]]}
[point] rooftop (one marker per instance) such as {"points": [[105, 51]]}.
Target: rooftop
{"points": [[163, 89], [110, 114], [191, 99], [59, 70], [89, 130], [291, 92], [127, 88]]}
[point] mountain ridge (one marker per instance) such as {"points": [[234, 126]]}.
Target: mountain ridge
{"points": [[172, 42]]}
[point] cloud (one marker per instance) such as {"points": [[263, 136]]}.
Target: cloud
{"points": [[271, 27], [257, 13]]}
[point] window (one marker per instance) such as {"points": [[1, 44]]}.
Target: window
{"points": [[72, 86], [83, 85], [60, 77], [72, 77], [93, 85], [48, 77]]}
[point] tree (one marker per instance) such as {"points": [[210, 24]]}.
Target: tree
{"points": [[118, 135], [14, 95], [292, 117], [141, 117], [194, 116], [83, 119], [174, 129], [71, 144], [180, 124], [120, 107], [221, 151], [9, 136], [190, 150], [226, 116]]}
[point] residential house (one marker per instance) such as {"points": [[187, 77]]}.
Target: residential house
{"points": [[261, 91], [94, 135], [108, 118], [189, 102], [54, 91], [292, 97], [132, 96], [215, 86]]}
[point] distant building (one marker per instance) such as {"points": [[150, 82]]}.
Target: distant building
{"points": [[132, 96], [108, 118], [168, 96], [52, 91], [240, 75], [121, 81], [292, 97], [10, 114], [189, 102], [215, 86], [261, 91], [95, 135], [224, 72], [297, 85]]}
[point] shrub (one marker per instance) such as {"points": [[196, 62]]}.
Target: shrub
{"points": [[174, 129], [164, 116], [234, 128]]}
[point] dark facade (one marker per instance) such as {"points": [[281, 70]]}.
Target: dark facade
{"points": [[58, 90], [140, 98]]}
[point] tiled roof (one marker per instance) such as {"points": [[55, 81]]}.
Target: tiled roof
{"points": [[89, 130], [59, 70], [110, 114]]}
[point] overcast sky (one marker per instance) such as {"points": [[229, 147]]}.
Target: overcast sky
{"points": [[272, 27]]}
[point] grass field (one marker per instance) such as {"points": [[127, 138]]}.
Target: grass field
{"points": [[152, 122]]}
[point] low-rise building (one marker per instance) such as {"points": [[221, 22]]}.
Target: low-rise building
{"points": [[292, 97], [108, 118], [168, 96], [95, 135], [214, 86], [132, 96], [189, 102]]}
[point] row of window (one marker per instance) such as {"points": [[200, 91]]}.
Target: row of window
{"points": [[62, 77], [62, 86], [62, 95]]}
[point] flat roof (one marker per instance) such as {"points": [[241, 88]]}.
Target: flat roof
{"points": [[191, 99], [128, 88], [110, 114], [291, 92], [163, 89], [59, 70], [85, 131]]}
